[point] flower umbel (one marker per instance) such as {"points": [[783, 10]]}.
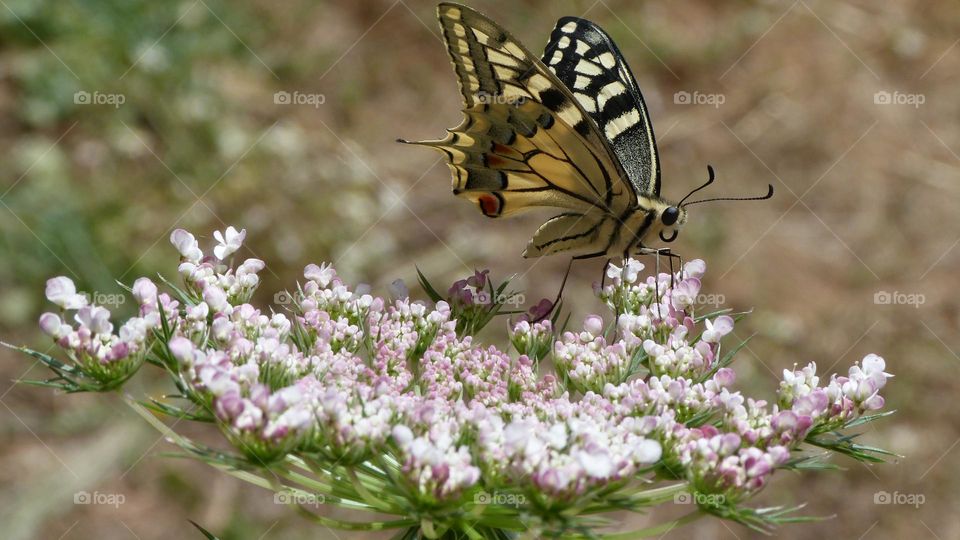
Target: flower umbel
{"points": [[392, 405]]}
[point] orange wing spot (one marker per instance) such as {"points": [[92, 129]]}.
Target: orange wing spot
{"points": [[494, 160], [501, 149], [489, 205]]}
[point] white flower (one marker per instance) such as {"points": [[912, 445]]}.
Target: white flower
{"points": [[614, 271], [402, 435], [181, 348], [62, 292], [187, 245], [694, 268], [648, 451], [96, 318], [215, 298], [145, 291], [53, 326], [229, 242], [717, 328], [632, 269], [596, 462], [323, 275]]}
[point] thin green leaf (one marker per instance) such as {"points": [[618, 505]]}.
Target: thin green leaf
{"points": [[427, 287], [209, 535]]}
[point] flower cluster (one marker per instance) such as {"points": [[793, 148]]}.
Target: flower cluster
{"points": [[402, 391]]}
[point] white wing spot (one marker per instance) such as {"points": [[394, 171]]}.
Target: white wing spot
{"points": [[587, 68], [556, 58], [570, 115], [610, 91], [582, 47], [569, 27], [586, 102], [564, 42], [621, 123], [582, 82], [607, 60]]}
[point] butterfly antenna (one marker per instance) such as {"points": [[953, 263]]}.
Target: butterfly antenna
{"points": [[705, 184], [761, 198]]}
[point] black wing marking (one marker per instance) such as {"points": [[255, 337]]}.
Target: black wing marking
{"points": [[589, 63]]}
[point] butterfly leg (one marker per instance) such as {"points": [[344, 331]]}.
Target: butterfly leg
{"points": [[603, 277]]}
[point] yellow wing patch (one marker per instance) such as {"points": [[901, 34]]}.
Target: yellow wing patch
{"points": [[510, 157]]}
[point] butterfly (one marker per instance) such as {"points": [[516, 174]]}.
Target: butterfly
{"points": [[569, 131]]}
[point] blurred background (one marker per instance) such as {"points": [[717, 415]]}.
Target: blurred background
{"points": [[122, 120]]}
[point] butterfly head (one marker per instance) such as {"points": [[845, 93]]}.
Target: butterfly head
{"points": [[670, 218]]}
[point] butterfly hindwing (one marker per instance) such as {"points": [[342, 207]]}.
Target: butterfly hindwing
{"points": [[589, 63], [581, 235], [507, 158]]}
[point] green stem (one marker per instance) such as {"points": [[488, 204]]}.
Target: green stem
{"points": [[657, 530], [356, 526]]}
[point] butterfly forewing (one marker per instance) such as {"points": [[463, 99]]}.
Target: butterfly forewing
{"points": [[527, 142], [588, 62]]}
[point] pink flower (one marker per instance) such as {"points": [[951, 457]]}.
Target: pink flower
{"points": [[717, 328], [62, 292], [593, 325], [186, 245]]}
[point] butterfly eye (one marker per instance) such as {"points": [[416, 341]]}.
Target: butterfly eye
{"points": [[670, 215]]}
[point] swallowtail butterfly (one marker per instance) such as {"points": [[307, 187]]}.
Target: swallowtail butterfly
{"points": [[570, 131]]}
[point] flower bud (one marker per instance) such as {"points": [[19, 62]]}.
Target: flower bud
{"points": [[62, 292]]}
